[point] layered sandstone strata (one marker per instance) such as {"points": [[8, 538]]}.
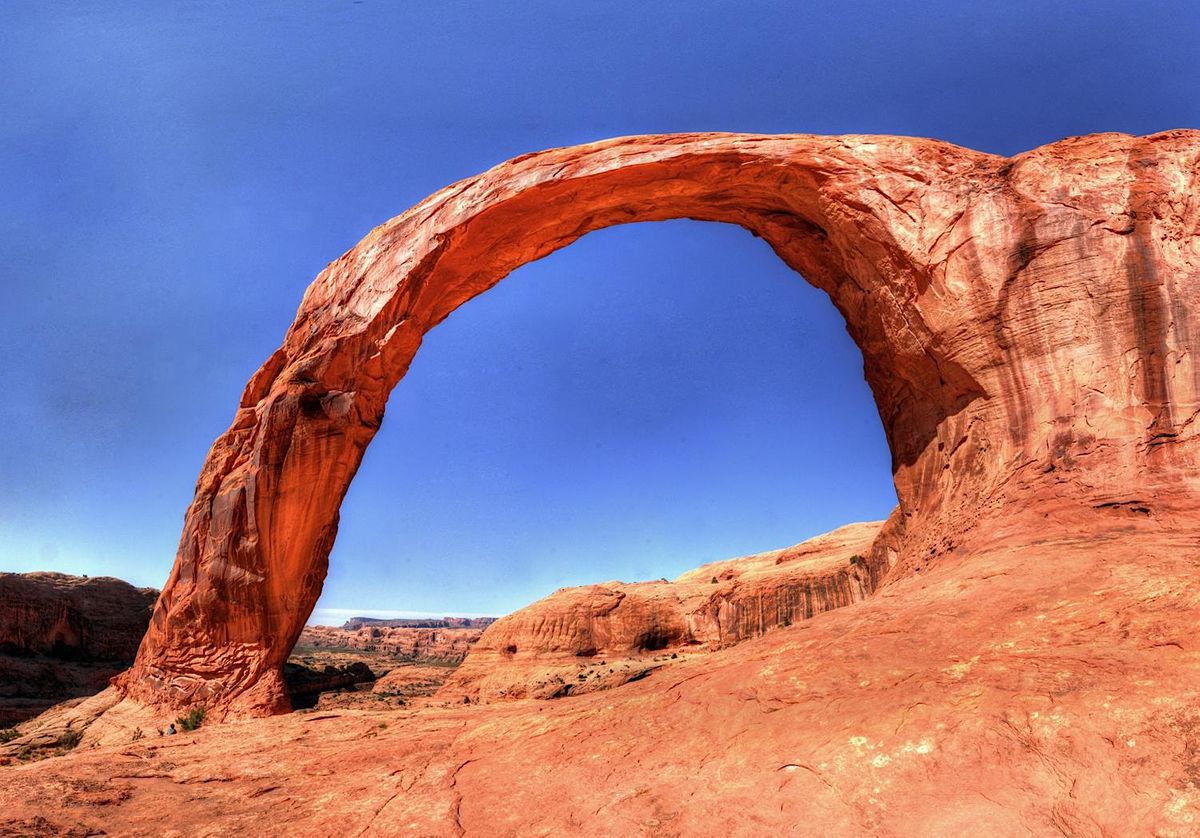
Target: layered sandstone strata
{"points": [[448, 645], [595, 637], [63, 637]]}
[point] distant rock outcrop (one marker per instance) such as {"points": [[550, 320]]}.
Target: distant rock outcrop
{"points": [[599, 636], [355, 623], [444, 645], [306, 684], [64, 636]]}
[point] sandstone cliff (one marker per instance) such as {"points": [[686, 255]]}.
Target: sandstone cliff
{"points": [[98, 618], [445, 645], [64, 636], [582, 639]]}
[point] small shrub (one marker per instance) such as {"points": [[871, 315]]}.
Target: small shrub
{"points": [[70, 739], [8, 735], [714, 580], [137, 734], [192, 719], [383, 725], [857, 559]]}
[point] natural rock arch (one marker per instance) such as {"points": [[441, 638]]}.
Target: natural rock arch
{"points": [[1024, 325]]}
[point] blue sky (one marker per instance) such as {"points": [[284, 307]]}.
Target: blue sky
{"points": [[172, 176]]}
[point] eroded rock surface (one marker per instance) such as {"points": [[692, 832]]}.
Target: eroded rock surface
{"points": [[445, 645], [64, 636], [1025, 325], [1046, 689], [594, 637]]}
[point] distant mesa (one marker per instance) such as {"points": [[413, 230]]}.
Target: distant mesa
{"points": [[355, 623]]}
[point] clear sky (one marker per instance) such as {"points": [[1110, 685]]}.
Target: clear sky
{"points": [[173, 175]]}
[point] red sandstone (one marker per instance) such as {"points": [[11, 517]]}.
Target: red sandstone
{"points": [[599, 636], [447, 645], [1025, 328], [1025, 663]]}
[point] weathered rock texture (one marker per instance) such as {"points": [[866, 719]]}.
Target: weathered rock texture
{"points": [[448, 645], [64, 636], [1025, 325], [1042, 689], [599, 636], [72, 617]]}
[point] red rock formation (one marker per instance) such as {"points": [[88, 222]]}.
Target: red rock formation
{"points": [[594, 637], [72, 617], [1025, 326], [306, 684], [443, 645], [355, 623], [410, 681], [63, 637], [1044, 689]]}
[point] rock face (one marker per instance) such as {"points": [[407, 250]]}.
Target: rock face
{"points": [[64, 636], [72, 617], [305, 685], [446, 645], [1025, 325], [580, 640]]}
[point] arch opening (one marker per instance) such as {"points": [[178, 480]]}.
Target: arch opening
{"points": [[654, 397], [257, 536]]}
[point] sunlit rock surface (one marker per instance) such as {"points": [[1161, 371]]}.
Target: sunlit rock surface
{"points": [[1025, 326], [1027, 662], [599, 636]]}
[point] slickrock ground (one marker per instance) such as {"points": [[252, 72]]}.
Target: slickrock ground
{"points": [[1037, 685], [64, 636], [600, 636]]}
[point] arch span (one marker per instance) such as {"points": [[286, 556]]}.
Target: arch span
{"points": [[937, 257]]}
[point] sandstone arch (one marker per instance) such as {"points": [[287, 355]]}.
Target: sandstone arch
{"points": [[1024, 325]]}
